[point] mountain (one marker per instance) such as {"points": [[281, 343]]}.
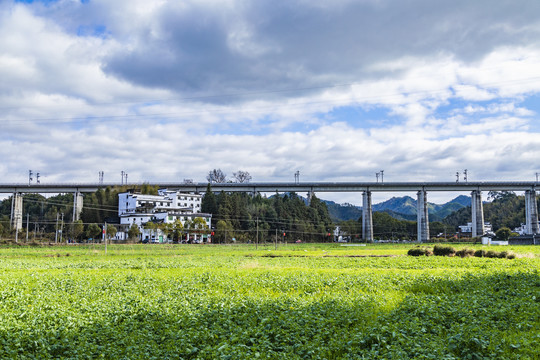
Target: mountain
{"points": [[343, 212], [401, 208], [402, 205]]}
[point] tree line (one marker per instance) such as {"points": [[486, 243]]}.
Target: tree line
{"points": [[245, 217]]}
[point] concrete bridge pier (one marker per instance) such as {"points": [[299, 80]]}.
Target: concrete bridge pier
{"points": [[477, 211], [367, 217], [422, 216], [531, 212], [309, 197], [77, 205], [16, 211]]}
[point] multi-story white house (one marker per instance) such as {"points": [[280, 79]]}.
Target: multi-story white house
{"points": [[165, 208]]}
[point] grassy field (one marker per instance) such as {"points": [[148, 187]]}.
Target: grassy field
{"points": [[236, 302]]}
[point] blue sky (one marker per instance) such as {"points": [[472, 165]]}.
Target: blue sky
{"points": [[337, 90]]}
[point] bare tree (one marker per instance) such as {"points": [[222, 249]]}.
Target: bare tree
{"points": [[216, 176], [242, 176]]}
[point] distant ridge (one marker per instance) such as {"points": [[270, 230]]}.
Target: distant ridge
{"points": [[402, 208]]}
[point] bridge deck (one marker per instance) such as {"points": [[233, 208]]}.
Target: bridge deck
{"points": [[289, 187]]}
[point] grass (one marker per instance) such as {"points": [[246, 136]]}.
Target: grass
{"points": [[235, 302]]}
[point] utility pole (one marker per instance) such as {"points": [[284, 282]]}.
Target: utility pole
{"points": [[26, 227], [382, 176], [457, 176], [537, 176], [29, 177], [297, 177], [465, 175], [56, 230], [105, 236], [275, 241], [257, 237], [377, 176], [61, 227], [122, 173], [37, 178]]}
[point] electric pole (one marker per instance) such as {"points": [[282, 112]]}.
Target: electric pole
{"points": [[61, 227], [56, 232]]}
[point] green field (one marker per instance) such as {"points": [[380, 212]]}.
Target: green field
{"points": [[236, 302]]}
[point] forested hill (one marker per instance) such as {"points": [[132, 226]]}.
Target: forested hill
{"points": [[506, 210], [243, 216]]}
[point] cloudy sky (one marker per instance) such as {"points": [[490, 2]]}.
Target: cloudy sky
{"points": [[338, 90]]}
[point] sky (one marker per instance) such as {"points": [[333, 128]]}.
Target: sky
{"points": [[337, 90]]}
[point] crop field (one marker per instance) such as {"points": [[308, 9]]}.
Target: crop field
{"points": [[300, 301]]}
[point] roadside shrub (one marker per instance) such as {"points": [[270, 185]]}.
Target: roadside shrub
{"points": [[492, 254], [420, 251], [465, 252], [480, 253], [439, 250]]}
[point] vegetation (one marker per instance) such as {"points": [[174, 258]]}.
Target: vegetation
{"points": [[235, 302], [244, 217], [506, 210]]}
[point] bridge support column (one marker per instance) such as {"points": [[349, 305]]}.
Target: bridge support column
{"points": [[477, 211], [367, 217], [77, 206], [422, 216], [16, 211], [309, 197], [531, 212]]}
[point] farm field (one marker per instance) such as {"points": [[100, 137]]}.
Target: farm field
{"points": [[301, 301]]}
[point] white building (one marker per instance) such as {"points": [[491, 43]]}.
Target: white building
{"points": [[467, 229], [164, 208]]}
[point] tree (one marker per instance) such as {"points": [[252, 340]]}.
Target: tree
{"points": [[242, 176], [134, 232], [223, 231], [77, 229], [216, 176], [209, 204], [199, 225], [93, 231], [177, 228], [503, 233], [111, 231]]}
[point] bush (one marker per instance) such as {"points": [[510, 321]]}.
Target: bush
{"points": [[465, 252], [420, 251], [492, 254], [480, 253], [440, 250]]}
